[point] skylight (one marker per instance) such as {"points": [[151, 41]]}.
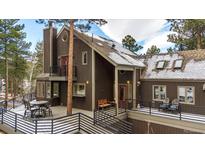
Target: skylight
{"points": [[160, 64], [178, 63]]}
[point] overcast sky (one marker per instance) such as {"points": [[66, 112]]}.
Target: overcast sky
{"points": [[146, 32]]}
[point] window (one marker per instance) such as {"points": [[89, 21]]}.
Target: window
{"points": [[55, 89], [159, 92], [186, 94], [79, 89], [40, 89], [48, 89], [160, 64], [178, 63], [65, 36], [84, 58]]}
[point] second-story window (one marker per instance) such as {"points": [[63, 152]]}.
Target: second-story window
{"points": [[84, 58]]}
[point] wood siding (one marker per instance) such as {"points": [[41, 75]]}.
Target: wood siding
{"points": [[104, 79], [171, 88], [83, 71]]}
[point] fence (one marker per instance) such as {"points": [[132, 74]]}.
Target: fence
{"points": [[184, 112], [67, 124]]}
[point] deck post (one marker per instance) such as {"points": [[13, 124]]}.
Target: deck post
{"points": [[116, 90], [134, 89], [93, 79]]}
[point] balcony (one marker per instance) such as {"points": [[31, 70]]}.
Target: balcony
{"points": [[62, 71]]}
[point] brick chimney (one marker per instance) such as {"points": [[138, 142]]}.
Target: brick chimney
{"points": [[50, 50]]}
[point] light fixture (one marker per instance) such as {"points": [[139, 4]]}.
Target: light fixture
{"points": [[87, 82], [128, 82], [138, 83]]}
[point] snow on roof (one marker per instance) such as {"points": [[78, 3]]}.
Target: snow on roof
{"points": [[117, 53], [191, 68]]}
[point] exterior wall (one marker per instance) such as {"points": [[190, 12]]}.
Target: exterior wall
{"points": [[124, 77], [197, 108], [143, 127], [104, 79], [84, 72]]}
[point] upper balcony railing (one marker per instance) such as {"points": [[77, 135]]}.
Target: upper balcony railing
{"points": [[62, 71]]}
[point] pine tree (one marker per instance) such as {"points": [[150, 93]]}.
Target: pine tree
{"points": [[189, 33], [13, 49], [130, 43], [153, 50]]}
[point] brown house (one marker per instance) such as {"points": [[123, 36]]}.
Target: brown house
{"points": [[103, 69], [100, 63]]}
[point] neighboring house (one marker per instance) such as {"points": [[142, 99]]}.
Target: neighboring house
{"points": [[180, 75], [103, 69]]}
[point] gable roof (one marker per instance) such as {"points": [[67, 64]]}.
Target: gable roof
{"points": [[109, 49], [193, 66]]}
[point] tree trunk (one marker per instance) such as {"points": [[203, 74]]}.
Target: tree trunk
{"points": [[199, 42], [7, 83], [70, 69]]}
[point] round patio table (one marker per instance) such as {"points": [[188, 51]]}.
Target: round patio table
{"points": [[40, 105]]}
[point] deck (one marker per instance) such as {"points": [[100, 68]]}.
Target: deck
{"points": [[184, 116]]}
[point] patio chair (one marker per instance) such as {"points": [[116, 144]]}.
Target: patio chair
{"points": [[102, 103], [164, 105], [174, 106], [47, 110], [29, 111]]}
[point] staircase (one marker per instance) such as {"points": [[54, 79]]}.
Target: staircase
{"points": [[112, 123]]}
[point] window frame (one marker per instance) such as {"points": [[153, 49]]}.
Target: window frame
{"points": [[79, 95], [83, 56], [153, 92], [181, 63], [186, 87], [158, 64]]}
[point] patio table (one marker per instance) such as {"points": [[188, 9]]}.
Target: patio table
{"points": [[40, 107]]}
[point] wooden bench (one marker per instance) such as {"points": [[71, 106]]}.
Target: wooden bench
{"points": [[102, 103]]}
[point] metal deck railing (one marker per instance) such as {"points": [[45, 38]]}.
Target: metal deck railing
{"points": [[67, 124]]}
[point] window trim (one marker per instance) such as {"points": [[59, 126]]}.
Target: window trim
{"points": [[158, 64], [77, 84], [153, 92], [83, 54], [175, 63], [186, 94]]}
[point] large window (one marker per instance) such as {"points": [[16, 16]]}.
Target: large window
{"points": [[159, 92], [79, 89], [40, 89], [84, 58], [186, 94], [55, 89]]}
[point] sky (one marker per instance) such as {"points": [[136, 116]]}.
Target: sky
{"points": [[147, 32]]}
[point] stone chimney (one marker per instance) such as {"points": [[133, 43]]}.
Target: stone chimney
{"points": [[50, 50]]}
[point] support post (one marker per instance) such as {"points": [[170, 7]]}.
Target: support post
{"points": [[134, 89], [93, 80], [36, 126], [2, 116], [52, 126], [116, 90], [79, 121], [15, 122]]}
